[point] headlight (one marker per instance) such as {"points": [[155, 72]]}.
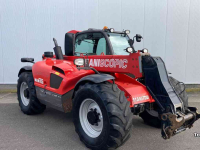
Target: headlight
{"points": [[112, 30], [127, 31], [145, 50], [79, 62], [129, 49]]}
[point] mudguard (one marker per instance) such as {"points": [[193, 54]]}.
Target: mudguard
{"points": [[95, 78], [25, 69]]}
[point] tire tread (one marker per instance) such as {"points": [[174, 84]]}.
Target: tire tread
{"points": [[35, 106], [118, 109]]}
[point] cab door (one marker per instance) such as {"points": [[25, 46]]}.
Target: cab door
{"points": [[92, 44]]}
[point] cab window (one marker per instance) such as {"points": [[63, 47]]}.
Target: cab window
{"points": [[119, 43], [101, 47], [91, 43]]}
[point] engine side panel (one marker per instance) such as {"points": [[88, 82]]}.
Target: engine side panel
{"points": [[57, 101], [43, 70], [55, 81]]}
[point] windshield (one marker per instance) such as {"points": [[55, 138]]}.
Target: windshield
{"points": [[119, 43]]}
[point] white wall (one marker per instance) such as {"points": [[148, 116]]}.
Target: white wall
{"points": [[171, 29]]}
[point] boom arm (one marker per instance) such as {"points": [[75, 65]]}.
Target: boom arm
{"points": [[115, 63]]}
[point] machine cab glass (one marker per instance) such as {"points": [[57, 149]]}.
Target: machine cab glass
{"points": [[92, 44]]}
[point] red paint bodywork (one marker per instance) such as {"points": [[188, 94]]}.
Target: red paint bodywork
{"points": [[131, 87], [43, 69], [132, 64]]}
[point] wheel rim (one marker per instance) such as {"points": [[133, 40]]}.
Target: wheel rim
{"points": [[24, 97], [88, 109]]}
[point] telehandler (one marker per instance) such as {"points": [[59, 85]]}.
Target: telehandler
{"points": [[104, 81]]}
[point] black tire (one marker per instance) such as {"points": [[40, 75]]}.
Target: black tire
{"points": [[34, 106], [180, 90], [151, 118], [117, 116]]}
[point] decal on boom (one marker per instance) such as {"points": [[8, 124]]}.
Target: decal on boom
{"points": [[110, 63]]}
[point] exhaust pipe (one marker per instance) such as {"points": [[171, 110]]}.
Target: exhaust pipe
{"points": [[57, 50]]}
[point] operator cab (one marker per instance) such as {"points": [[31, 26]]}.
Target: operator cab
{"points": [[98, 42]]}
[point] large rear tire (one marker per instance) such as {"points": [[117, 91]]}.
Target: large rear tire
{"points": [[151, 117], [102, 116], [26, 93], [180, 90]]}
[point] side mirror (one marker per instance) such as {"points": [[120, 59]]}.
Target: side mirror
{"points": [[138, 37]]}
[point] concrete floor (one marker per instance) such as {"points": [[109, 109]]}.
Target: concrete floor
{"points": [[55, 130]]}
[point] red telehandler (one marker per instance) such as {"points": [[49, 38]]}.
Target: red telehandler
{"points": [[104, 81]]}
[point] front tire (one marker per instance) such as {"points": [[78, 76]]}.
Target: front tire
{"points": [[102, 116], [26, 93]]}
